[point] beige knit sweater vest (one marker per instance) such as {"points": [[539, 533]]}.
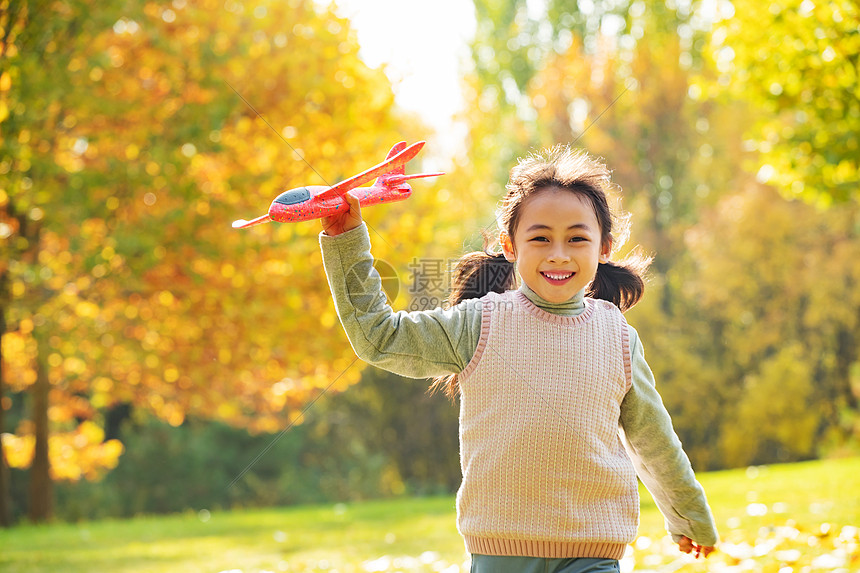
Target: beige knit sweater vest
{"points": [[544, 470]]}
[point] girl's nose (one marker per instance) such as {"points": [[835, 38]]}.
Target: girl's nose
{"points": [[558, 255]]}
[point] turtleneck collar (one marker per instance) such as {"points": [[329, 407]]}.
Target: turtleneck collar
{"points": [[571, 307]]}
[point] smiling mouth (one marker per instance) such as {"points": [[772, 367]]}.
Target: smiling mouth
{"points": [[557, 278]]}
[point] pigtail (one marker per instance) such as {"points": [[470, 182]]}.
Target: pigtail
{"points": [[475, 275], [479, 273], [449, 384], [622, 283]]}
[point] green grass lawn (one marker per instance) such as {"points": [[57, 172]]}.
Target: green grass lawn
{"points": [[781, 519]]}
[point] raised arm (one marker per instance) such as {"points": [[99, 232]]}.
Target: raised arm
{"points": [[414, 344]]}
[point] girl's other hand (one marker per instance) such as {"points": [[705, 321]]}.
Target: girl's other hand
{"points": [[345, 221], [686, 545]]}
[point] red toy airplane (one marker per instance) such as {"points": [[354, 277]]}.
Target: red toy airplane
{"points": [[317, 201]]}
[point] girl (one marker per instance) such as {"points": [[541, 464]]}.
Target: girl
{"points": [[546, 375]]}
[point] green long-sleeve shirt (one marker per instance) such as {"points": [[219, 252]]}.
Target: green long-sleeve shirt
{"points": [[441, 341]]}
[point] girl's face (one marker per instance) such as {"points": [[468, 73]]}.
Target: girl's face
{"points": [[556, 244]]}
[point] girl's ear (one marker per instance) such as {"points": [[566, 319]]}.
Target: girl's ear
{"points": [[507, 247], [605, 251]]}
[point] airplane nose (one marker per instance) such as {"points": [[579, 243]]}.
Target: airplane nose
{"points": [[293, 196]]}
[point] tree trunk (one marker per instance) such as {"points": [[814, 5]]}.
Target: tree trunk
{"points": [[41, 487], [5, 486]]}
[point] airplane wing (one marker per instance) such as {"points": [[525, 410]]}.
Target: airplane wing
{"points": [[242, 223], [392, 162]]}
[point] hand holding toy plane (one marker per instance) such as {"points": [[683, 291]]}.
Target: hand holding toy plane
{"points": [[317, 201]]}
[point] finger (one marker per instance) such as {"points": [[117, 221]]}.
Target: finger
{"points": [[353, 202], [333, 224], [354, 213], [327, 224]]}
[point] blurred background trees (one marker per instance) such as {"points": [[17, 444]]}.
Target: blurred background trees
{"points": [[149, 353]]}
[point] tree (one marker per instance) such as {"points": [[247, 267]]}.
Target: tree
{"points": [[127, 156], [33, 123], [796, 63], [782, 302]]}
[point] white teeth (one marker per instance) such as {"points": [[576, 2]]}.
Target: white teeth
{"points": [[556, 277]]}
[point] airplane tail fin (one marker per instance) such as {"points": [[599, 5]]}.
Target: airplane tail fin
{"points": [[397, 148], [398, 175], [398, 171]]}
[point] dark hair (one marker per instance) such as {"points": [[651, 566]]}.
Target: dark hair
{"points": [[559, 167], [479, 273]]}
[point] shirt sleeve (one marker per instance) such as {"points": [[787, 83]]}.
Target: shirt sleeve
{"points": [[418, 344], [660, 461]]}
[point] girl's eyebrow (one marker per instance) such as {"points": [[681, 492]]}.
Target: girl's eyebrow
{"points": [[541, 226]]}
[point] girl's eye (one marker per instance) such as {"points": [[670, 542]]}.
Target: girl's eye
{"points": [[577, 239], [542, 239]]}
